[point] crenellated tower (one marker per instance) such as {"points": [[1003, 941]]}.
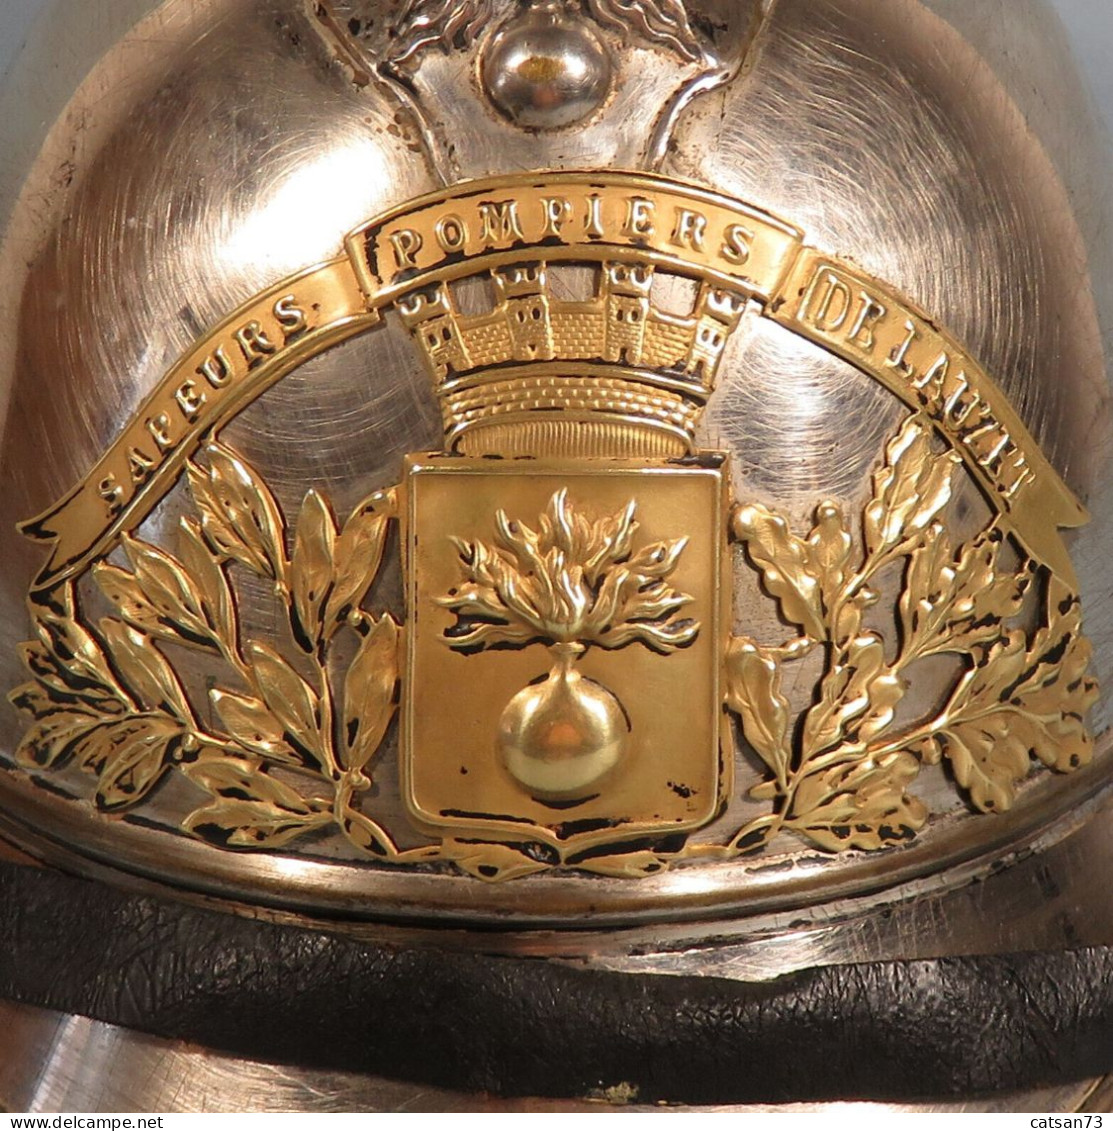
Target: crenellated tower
{"points": [[536, 375]]}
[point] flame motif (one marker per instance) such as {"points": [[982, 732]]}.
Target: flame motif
{"points": [[663, 23], [449, 24], [571, 581]]}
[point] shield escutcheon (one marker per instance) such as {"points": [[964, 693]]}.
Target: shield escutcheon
{"points": [[567, 623]]}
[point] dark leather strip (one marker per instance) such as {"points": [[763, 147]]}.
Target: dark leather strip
{"points": [[521, 1026]]}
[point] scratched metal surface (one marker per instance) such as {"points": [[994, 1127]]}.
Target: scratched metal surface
{"points": [[52, 1063], [218, 146], [1089, 24], [222, 211]]}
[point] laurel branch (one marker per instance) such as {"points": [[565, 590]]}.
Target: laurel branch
{"points": [[295, 741]]}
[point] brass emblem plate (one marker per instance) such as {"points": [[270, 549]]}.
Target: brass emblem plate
{"points": [[579, 679], [573, 626]]}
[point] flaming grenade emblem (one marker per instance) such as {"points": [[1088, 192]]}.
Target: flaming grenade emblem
{"points": [[571, 584]]}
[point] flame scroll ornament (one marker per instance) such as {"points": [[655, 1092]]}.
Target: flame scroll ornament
{"points": [[294, 742]]}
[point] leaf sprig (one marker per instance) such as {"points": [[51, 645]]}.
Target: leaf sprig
{"points": [[840, 777], [111, 700]]}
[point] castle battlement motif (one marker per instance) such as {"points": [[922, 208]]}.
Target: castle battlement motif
{"points": [[633, 361]]}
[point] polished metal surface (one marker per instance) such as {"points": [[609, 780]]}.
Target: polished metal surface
{"points": [[545, 71], [248, 139], [203, 151], [50, 1062]]}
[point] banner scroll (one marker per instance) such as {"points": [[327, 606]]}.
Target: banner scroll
{"points": [[565, 217]]}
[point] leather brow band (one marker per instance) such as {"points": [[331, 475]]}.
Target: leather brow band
{"points": [[890, 1030]]}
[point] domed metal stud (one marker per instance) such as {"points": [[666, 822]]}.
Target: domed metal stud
{"points": [[545, 69]]}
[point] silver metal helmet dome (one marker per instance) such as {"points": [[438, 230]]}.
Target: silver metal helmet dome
{"points": [[581, 478]]}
